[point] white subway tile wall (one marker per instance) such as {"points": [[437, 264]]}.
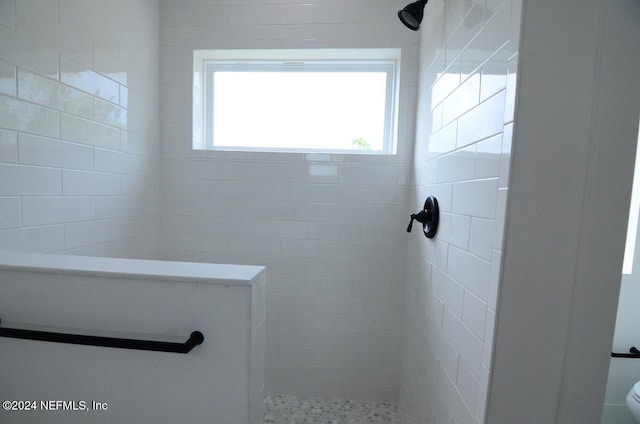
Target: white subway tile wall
{"points": [[462, 154], [92, 92], [76, 174], [330, 228]]}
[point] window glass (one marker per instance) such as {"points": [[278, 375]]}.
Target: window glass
{"points": [[293, 103], [634, 212]]}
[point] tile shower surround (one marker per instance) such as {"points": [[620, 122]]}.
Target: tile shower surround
{"points": [[79, 142], [462, 155], [330, 232], [329, 228]]}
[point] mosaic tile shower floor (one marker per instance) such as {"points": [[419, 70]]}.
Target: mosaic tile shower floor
{"points": [[280, 409]]}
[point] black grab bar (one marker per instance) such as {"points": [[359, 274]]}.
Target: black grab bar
{"points": [[196, 338], [633, 353]]}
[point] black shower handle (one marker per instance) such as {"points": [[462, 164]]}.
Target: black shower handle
{"points": [[422, 217], [428, 217]]}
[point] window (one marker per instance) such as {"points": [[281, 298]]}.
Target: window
{"points": [[634, 211], [314, 100]]}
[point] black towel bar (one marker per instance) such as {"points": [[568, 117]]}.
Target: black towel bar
{"points": [[633, 353], [194, 339]]}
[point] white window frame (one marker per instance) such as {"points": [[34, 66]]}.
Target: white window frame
{"points": [[206, 62]]}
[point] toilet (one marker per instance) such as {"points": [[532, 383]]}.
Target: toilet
{"points": [[633, 401]]}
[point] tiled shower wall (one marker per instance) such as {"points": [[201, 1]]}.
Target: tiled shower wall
{"points": [[332, 233], [79, 127], [463, 143], [78, 174]]}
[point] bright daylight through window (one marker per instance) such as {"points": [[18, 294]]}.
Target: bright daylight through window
{"points": [[314, 100], [634, 212]]}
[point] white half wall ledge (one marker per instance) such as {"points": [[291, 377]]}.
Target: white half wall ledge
{"points": [[138, 268], [221, 380]]}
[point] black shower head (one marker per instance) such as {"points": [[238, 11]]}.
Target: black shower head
{"points": [[412, 14]]}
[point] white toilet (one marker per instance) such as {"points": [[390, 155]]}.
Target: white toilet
{"points": [[633, 401]]}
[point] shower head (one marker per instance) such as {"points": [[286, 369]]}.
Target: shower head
{"points": [[412, 14]]}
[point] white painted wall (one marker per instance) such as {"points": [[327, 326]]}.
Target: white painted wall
{"points": [[79, 127], [332, 234], [574, 143], [462, 153]]}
